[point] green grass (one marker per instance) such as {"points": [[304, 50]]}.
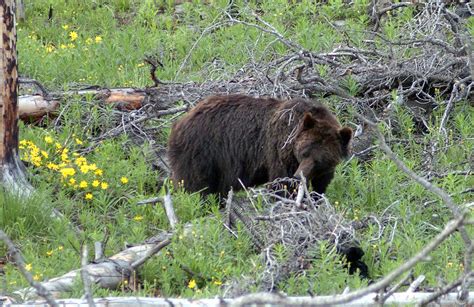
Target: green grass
{"points": [[113, 37]]}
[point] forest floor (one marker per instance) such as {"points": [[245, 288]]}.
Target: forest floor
{"points": [[96, 184]]}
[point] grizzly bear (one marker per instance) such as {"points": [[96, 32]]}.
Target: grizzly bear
{"points": [[228, 141]]}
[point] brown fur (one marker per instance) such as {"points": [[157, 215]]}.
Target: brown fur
{"points": [[227, 138]]}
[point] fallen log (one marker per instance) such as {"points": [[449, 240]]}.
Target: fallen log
{"points": [[125, 99], [402, 298], [107, 273], [34, 107]]}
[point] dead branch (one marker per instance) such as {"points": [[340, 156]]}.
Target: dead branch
{"points": [[168, 206], [150, 254], [446, 289], [384, 296], [451, 227], [456, 211], [13, 251], [228, 211], [256, 298], [98, 251], [118, 130], [85, 277], [377, 12], [152, 200], [381, 65], [267, 28], [416, 283], [154, 63], [108, 273], [294, 218]]}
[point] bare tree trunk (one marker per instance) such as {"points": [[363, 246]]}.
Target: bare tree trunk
{"points": [[20, 10], [11, 169]]}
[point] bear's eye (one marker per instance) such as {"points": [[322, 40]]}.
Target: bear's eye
{"points": [[305, 154]]}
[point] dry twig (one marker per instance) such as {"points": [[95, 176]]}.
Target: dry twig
{"points": [[85, 277], [20, 264]]}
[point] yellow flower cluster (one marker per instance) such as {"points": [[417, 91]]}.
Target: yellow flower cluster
{"points": [[76, 174], [73, 35], [72, 39], [192, 284], [33, 155]]}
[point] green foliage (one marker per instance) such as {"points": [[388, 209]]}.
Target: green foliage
{"points": [[17, 224], [328, 267], [104, 42]]}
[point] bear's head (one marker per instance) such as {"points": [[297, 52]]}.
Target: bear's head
{"points": [[320, 144]]}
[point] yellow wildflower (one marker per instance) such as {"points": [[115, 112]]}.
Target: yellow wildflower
{"points": [[84, 169], [52, 166], [217, 282], [83, 184], [67, 171], [80, 161], [72, 181], [36, 277], [104, 185], [48, 139], [28, 267], [36, 161], [73, 35], [92, 167], [140, 64], [124, 180], [89, 41], [49, 253], [78, 141], [88, 196], [95, 183], [98, 39], [98, 172], [50, 48], [192, 284], [65, 27], [58, 146], [138, 218], [44, 154], [65, 158], [60, 248], [71, 46], [62, 46]]}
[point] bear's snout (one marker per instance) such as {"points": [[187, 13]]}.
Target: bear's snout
{"points": [[304, 169]]}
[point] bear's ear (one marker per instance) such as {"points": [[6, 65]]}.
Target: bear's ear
{"points": [[346, 135], [308, 121]]}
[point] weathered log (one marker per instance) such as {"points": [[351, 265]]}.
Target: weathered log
{"points": [[35, 106], [402, 298], [124, 98], [32, 107], [108, 273]]}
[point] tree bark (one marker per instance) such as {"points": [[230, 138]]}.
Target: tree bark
{"points": [[12, 172]]}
